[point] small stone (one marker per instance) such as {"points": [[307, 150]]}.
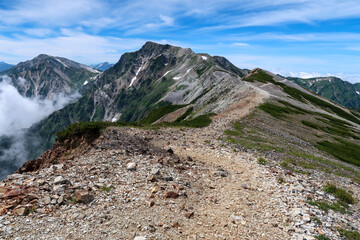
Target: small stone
{"points": [[306, 218], [221, 173], [59, 180], [171, 194], [155, 189], [175, 225], [151, 203], [46, 200], [155, 171], [169, 179], [60, 199], [296, 212], [236, 218], [310, 196], [22, 211], [102, 180], [152, 178], [131, 166], [140, 238], [32, 196], [189, 214], [83, 196], [59, 189]]}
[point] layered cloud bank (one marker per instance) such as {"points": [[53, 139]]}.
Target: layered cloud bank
{"points": [[17, 114]]}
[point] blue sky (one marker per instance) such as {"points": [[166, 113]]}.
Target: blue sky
{"points": [[291, 37]]}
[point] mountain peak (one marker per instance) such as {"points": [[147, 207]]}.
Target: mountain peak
{"points": [[42, 56], [154, 47]]}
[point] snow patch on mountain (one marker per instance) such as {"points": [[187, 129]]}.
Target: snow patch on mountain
{"points": [[134, 78], [61, 62], [167, 73]]}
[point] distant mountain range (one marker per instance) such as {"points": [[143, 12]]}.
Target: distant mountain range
{"points": [[102, 66], [5, 66], [333, 88]]}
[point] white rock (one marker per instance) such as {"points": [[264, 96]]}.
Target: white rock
{"points": [[131, 166], [140, 238]]}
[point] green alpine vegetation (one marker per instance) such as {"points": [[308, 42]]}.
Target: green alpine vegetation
{"points": [[333, 88]]}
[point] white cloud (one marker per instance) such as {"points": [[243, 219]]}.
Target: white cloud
{"points": [[77, 46], [49, 12], [168, 21], [39, 32], [305, 11], [241, 44], [13, 124], [304, 37], [353, 78], [353, 48]]}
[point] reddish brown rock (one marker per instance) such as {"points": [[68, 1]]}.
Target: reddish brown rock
{"points": [[171, 194], [83, 196]]}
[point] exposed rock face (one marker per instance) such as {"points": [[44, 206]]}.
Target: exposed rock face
{"points": [[47, 76]]}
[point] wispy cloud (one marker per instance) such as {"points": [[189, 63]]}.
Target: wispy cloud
{"points": [[353, 48], [78, 46], [269, 13], [353, 78], [240, 44], [48, 12], [303, 37]]}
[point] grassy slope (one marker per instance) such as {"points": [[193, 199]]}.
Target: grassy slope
{"points": [[302, 140]]}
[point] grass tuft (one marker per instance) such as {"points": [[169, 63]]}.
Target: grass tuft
{"points": [[349, 235], [339, 193], [262, 161], [105, 188]]}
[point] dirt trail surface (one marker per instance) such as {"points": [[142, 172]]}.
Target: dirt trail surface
{"points": [[169, 183]]}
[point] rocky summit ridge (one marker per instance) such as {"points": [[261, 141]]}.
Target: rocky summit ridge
{"points": [[212, 152]]}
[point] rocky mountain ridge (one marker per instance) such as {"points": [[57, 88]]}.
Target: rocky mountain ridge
{"points": [[333, 88], [102, 66], [47, 76], [5, 66]]}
